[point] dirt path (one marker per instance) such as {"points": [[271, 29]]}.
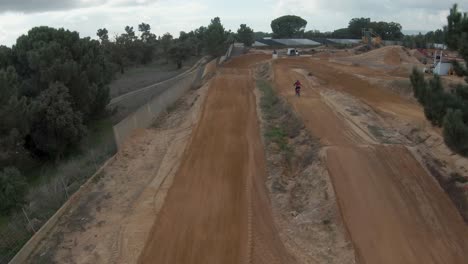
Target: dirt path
{"points": [[217, 210], [394, 211]]}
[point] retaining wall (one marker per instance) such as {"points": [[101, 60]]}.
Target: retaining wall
{"points": [[33, 243], [160, 97], [128, 103]]}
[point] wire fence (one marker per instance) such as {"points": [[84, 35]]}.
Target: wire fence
{"points": [[43, 200], [13, 236]]}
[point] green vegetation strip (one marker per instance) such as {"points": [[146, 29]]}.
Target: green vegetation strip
{"points": [[281, 123]]}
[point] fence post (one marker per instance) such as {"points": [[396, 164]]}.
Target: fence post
{"points": [[27, 218], [64, 187]]}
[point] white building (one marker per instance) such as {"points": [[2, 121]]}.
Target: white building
{"points": [[443, 68]]}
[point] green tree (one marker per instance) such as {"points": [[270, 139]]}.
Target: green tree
{"points": [[199, 35], [288, 26], [148, 43], [166, 43], [6, 57], [246, 35], [459, 69], [47, 55], [356, 25], [439, 36], [455, 24], [12, 189], [341, 33], [215, 38], [14, 118], [103, 35], [317, 34], [387, 30], [435, 101], [146, 35], [179, 52], [418, 84], [56, 126], [260, 35], [455, 131]]}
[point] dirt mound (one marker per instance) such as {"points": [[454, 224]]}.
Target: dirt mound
{"points": [[245, 61], [386, 56], [418, 55], [392, 208], [392, 57]]}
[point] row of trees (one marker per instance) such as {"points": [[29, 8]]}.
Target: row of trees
{"points": [[294, 26], [386, 30], [54, 84], [448, 108], [427, 40]]}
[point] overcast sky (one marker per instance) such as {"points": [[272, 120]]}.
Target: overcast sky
{"points": [[86, 16]]}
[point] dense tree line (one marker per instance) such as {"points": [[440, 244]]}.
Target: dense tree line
{"points": [[447, 108], [54, 83], [427, 40], [386, 30]]}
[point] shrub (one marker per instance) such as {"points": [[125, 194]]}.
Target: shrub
{"points": [[459, 69], [418, 84], [435, 101], [56, 125], [455, 131], [12, 189]]}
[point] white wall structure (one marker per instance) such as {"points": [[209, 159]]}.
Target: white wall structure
{"points": [[345, 41], [297, 42], [442, 68], [147, 113], [259, 44]]}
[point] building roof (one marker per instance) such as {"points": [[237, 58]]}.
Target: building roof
{"points": [[259, 44], [345, 41], [285, 42], [296, 42]]}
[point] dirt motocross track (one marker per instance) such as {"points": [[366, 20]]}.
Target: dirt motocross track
{"points": [[217, 210], [394, 211]]}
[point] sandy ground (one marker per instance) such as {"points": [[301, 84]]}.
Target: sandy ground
{"points": [[111, 222], [394, 211], [217, 210]]}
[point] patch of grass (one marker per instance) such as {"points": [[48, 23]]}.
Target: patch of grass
{"points": [[282, 122], [277, 135], [376, 131]]}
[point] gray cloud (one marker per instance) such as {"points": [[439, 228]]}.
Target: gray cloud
{"points": [[28, 6], [37, 6]]}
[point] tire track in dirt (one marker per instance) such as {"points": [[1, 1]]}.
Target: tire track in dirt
{"points": [[393, 210], [217, 210]]}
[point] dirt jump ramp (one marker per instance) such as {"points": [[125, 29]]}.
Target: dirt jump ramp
{"points": [[218, 210], [393, 209]]}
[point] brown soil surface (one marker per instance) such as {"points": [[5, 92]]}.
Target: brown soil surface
{"points": [[395, 212], [218, 210], [391, 55]]}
